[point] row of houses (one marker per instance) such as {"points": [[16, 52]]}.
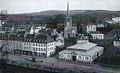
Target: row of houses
{"points": [[30, 44]]}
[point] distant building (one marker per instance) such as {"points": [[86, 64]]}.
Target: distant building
{"points": [[116, 19], [101, 25], [89, 28], [28, 44], [59, 40], [83, 52], [113, 20], [116, 41], [37, 29], [83, 38], [97, 35]]}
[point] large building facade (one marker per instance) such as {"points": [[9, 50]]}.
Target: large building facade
{"points": [[30, 44], [83, 52]]}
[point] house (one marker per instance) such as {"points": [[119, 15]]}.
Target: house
{"points": [[89, 28], [97, 35], [83, 52], [59, 40], [83, 38]]}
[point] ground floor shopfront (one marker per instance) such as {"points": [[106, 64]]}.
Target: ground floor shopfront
{"points": [[31, 53]]}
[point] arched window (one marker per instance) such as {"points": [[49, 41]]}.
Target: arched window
{"points": [[80, 57]]}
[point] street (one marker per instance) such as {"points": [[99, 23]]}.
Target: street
{"points": [[54, 63]]}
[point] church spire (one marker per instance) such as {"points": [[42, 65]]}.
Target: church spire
{"points": [[67, 8]]}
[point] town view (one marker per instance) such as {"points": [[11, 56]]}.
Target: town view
{"points": [[59, 36]]}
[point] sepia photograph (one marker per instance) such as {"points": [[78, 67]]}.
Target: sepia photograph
{"points": [[59, 36]]}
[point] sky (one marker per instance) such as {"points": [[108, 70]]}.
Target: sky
{"points": [[28, 6]]}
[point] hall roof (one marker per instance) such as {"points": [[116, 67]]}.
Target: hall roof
{"points": [[82, 46]]}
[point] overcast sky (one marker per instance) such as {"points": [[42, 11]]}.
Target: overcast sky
{"points": [[26, 6]]}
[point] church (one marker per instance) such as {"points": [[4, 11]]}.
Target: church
{"points": [[69, 29]]}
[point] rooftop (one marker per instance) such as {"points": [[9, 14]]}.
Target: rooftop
{"points": [[95, 32], [83, 46], [37, 38], [90, 52]]}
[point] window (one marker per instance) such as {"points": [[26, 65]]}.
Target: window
{"points": [[44, 49], [68, 55], [33, 44], [80, 57], [61, 55], [36, 49], [33, 48], [87, 58], [41, 49]]}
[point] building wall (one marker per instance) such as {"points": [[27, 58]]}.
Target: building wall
{"points": [[51, 48], [101, 25], [91, 28], [116, 19], [66, 56], [98, 36], [1, 43], [84, 58], [40, 48], [80, 57], [116, 43]]}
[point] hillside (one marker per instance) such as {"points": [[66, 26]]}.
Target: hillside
{"points": [[72, 12]]}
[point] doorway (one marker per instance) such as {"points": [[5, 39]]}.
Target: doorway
{"points": [[73, 58]]}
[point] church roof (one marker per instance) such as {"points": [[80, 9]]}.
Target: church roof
{"points": [[82, 46]]}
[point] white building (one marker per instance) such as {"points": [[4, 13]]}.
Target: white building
{"points": [[116, 41], [83, 52], [37, 29], [101, 25], [116, 19], [60, 40], [113, 20], [89, 28], [82, 38], [39, 45], [97, 35]]}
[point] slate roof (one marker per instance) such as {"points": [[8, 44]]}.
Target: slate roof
{"points": [[35, 38], [92, 51], [83, 46]]}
